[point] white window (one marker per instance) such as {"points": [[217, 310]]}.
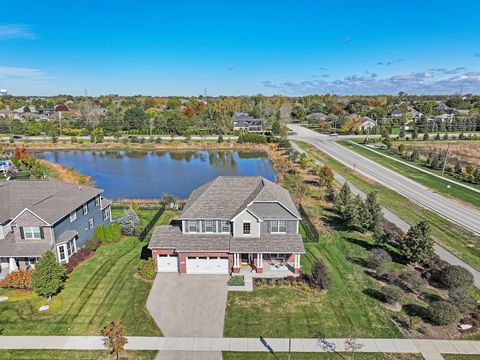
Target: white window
{"points": [[192, 226], [85, 209], [225, 226], [278, 226], [246, 228], [31, 232], [97, 201], [90, 223], [73, 215], [61, 253], [208, 226], [106, 213]]}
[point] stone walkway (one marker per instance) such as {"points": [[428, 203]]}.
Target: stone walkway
{"points": [[430, 349]]}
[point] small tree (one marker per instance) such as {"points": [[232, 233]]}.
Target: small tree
{"points": [[392, 294], [442, 313], [114, 337], [49, 276], [462, 300], [377, 259], [401, 149], [343, 200], [330, 193], [374, 210], [220, 139], [319, 277], [129, 221], [417, 245], [455, 276], [379, 233], [354, 214]]}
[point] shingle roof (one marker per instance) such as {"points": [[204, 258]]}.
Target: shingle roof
{"points": [[225, 196], [171, 237], [270, 211], [49, 199], [66, 236], [25, 248]]}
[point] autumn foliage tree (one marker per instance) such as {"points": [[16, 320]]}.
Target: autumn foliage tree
{"points": [[114, 337]]}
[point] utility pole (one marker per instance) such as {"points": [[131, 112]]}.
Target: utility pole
{"points": [[445, 160]]}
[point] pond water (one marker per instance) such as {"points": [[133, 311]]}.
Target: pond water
{"points": [[148, 175]]}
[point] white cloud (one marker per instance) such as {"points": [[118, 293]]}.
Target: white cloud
{"points": [[21, 72], [16, 31]]}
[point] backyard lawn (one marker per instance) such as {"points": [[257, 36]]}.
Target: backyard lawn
{"points": [[453, 238], [102, 289], [298, 311], [73, 355]]}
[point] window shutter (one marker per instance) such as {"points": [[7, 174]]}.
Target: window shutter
{"points": [[22, 235], [41, 233]]}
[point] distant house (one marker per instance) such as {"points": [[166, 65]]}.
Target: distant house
{"points": [[441, 107], [397, 113], [6, 166], [46, 111], [444, 118], [243, 121], [6, 113], [461, 112], [21, 109], [317, 116], [61, 107], [367, 123], [41, 215]]}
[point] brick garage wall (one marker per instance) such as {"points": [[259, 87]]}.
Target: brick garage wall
{"points": [[156, 252], [183, 259]]}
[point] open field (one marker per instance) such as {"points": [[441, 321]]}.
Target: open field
{"points": [[469, 197], [73, 355], [454, 238]]}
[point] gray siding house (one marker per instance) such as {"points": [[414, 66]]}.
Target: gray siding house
{"points": [[41, 215], [232, 224]]}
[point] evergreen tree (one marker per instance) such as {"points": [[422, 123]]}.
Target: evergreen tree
{"points": [[374, 210], [417, 244], [330, 194], [354, 214], [343, 200], [49, 276], [379, 233]]}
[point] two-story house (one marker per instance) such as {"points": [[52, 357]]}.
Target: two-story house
{"points": [[245, 122], [231, 222], [41, 215]]}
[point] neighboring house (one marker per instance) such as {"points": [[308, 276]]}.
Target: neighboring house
{"points": [[444, 118], [441, 107], [46, 111], [367, 123], [229, 224], [6, 166], [243, 121], [461, 112], [41, 215], [317, 116], [6, 113], [397, 113]]}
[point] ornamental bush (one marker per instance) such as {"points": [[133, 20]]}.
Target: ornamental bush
{"points": [[76, 259], [252, 138], [442, 313], [92, 244], [146, 269], [413, 281], [319, 277], [392, 294], [377, 259], [21, 279], [49, 276], [462, 300], [129, 221], [455, 276]]}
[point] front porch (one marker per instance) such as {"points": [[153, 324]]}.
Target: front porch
{"points": [[11, 264], [267, 265]]}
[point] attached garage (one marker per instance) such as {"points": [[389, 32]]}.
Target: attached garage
{"points": [[207, 265], [167, 263]]}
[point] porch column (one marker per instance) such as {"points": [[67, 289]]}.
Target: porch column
{"points": [[236, 263], [12, 265], [259, 263], [296, 267]]}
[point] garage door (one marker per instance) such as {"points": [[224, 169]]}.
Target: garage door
{"points": [[207, 265], [167, 263]]}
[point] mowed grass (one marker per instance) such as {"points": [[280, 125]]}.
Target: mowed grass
{"points": [[463, 194], [319, 356], [301, 312], [103, 289], [457, 240], [73, 355]]}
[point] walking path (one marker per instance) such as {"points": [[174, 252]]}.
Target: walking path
{"points": [[430, 349], [390, 216]]}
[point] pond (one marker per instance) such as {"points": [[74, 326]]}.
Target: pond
{"points": [[148, 175]]}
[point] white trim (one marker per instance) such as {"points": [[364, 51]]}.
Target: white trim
{"points": [[275, 201], [278, 227], [85, 207], [31, 212], [73, 218], [248, 210]]}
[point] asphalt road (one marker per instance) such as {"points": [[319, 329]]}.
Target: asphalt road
{"points": [[454, 211]]}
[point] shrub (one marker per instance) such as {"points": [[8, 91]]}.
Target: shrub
{"points": [[146, 269], [21, 279], [76, 259], [413, 281], [92, 244], [49, 276], [442, 313], [455, 276], [434, 267], [129, 221], [252, 138], [378, 259], [392, 233], [392, 294], [319, 277], [236, 281], [462, 300], [220, 139]]}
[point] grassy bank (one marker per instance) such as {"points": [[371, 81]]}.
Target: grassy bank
{"points": [[73, 355], [454, 238], [65, 174], [463, 194], [319, 356]]}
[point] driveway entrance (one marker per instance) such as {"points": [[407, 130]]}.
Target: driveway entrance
{"points": [[189, 305]]}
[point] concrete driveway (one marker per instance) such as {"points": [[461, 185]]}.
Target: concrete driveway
{"points": [[189, 305]]}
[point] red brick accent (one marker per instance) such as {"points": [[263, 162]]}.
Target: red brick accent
{"points": [[183, 258], [236, 270], [259, 270]]}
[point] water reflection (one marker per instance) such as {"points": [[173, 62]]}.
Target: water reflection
{"points": [[149, 174]]}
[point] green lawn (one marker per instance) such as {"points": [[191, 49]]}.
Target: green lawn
{"points": [[145, 215], [73, 355], [319, 356], [454, 238], [460, 357], [439, 185], [298, 311]]}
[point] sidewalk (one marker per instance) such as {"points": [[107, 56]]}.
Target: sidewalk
{"points": [[428, 348]]}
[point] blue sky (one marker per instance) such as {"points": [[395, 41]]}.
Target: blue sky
{"points": [[239, 47]]}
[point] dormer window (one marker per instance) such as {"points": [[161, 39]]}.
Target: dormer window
{"points": [[246, 228], [225, 226], [192, 226], [208, 226], [278, 227], [31, 233]]}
